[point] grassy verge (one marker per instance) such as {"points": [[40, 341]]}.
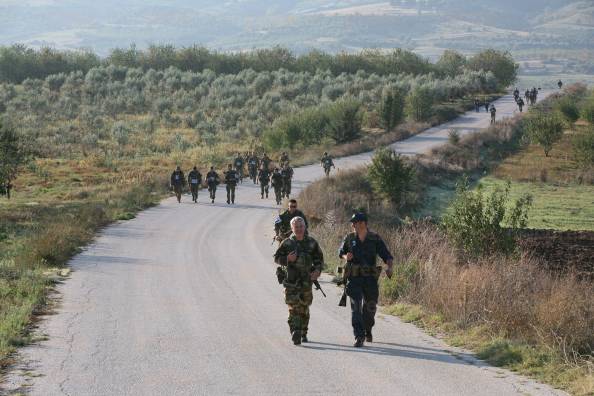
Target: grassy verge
{"points": [[511, 310]]}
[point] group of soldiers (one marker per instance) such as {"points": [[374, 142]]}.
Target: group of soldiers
{"points": [[489, 108], [530, 97], [261, 171], [300, 262]]}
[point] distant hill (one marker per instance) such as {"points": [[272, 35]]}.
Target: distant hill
{"points": [[427, 26]]}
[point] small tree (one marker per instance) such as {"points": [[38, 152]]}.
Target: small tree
{"points": [[391, 177], [418, 104], [13, 154], [567, 107], [474, 222], [544, 130], [392, 110]]}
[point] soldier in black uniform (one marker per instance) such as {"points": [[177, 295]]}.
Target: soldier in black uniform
{"points": [[277, 185], [239, 166], [264, 179], [212, 180], [177, 182], [231, 179], [282, 225], [360, 249], [194, 180]]}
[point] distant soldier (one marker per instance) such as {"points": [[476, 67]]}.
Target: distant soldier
{"points": [[516, 94], [5, 189], [520, 104], [560, 84], [486, 105], [282, 225], [277, 185], [287, 174], [301, 262], [493, 112], [239, 161], [253, 162], [212, 180], [265, 161], [327, 163], [360, 249], [284, 159], [264, 179], [177, 182], [231, 179], [477, 105], [527, 96], [194, 180]]}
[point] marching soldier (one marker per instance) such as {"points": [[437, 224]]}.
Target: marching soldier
{"points": [[239, 161], [177, 182], [231, 179], [301, 261], [282, 225], [264, 179], [360, 249], [194, 180], [212, 180], [277, 185], [287, 174]]}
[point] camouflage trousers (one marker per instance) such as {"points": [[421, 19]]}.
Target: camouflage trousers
{"points": [[178, 192], [278, 193], [299, 299]]}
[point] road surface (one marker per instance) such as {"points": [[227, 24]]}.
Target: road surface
{"points": [[183, 300]]}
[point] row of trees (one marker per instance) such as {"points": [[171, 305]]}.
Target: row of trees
{"points": [[70, 114], [19, 62]]}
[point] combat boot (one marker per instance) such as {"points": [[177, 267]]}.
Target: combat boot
{"points": [[296, 337], [304, 338], [368, 336], [359, 342]]}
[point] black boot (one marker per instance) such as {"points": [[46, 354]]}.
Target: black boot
{"points": [[368, 336], [359, 342], [304, 338], [296, 337]]}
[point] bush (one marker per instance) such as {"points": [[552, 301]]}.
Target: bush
{"points": [[392, 109], [418, 104], [568, 108], [583, 148], [344, 120], [454, 137], [474, 223], [588, 110], [391, 177]]}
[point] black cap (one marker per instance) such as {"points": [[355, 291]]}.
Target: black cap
{"points": [[359, 217]]}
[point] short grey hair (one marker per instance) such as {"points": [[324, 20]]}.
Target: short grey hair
{"points": [[297, 219]]}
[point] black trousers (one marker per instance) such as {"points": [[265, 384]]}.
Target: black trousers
{"points": [[212, 189], [364, 293], [230, 193]]}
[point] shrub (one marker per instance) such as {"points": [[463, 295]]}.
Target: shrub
{"points": [[583, 148], [568, 108], [587, 110], [474, 222], [392, 109], [344, 120], [418, 104], [454, 136], [391, 177]]}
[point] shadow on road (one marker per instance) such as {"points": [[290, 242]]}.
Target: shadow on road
{"points": [[397, 350]]}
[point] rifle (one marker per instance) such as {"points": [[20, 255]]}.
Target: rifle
{"points": [[318, 287]]}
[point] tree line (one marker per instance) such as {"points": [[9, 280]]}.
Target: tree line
{"points": [[19, 62]]}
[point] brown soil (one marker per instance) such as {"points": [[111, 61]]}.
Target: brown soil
{"points": [[561, 250]]}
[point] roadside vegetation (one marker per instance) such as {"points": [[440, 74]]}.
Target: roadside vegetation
{"points": [[99, 137], [456, 221]]}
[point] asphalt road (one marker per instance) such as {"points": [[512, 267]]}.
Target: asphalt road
{"points": [[183, 300]]}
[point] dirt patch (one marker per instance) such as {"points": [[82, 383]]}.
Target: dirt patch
{"points": [[561, 250]]}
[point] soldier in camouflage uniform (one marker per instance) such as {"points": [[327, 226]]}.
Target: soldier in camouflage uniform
{"points": [[302, 260], [282, 225], [264, 179], [231, 179], [177, 182], [287, 174]]}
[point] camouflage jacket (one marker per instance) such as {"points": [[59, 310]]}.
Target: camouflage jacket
{"points": [[309, 255], [282, 225]]}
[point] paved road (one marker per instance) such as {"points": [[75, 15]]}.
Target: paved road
{"points": [[183, 300]]}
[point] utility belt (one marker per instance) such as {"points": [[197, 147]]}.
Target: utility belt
{"points": [[354, 270]]}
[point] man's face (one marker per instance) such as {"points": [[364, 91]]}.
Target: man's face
{"points": [[292, 207], [359, 226], [298, 229]]}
